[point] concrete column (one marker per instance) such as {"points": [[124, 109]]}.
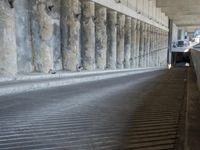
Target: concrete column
{"points": [[88, 35], [42, 30], [101, 37], [148, 46], [151, 46], [141, 46], [133, 43], [138, 43], [164, 50], [70, 26], [120, 41], [155, 47], [23, 36], [54, 10], [159, 46], [127, 45], [145, 46], [112, 39], [8, 54]]}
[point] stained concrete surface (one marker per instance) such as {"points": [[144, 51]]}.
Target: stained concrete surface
{"points": [[45, 26], [70, 31], [112, 39], [88, 30], [101, 37], [23, 36], [132, 112], [193, 113], [120, 40], [8, 59]]}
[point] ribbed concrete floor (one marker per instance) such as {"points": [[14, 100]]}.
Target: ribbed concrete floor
{"points": [[138, 112]]}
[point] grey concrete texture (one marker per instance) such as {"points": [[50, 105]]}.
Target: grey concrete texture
{"points": [[145, 45], [112, 39], [195, 55], [132, 112], [127, 42], [101, 37], [148, 47], [23, 36], [186, 17], [8, 53], [192, 138], [72, 35], [37, 82], [133, 43], [138, 43], [45, 25], [141, 44], [70, 30], [120, 40], [88, 30]]}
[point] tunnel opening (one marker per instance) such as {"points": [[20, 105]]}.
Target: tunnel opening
{"points": [[181, 59]]}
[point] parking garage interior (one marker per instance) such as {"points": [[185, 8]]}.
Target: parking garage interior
{"points": [[99, 74]]}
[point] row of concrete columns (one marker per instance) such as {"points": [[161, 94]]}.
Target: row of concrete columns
{"points": [[92, 37]]}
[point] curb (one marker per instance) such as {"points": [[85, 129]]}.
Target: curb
{"points": [[38, 85]]}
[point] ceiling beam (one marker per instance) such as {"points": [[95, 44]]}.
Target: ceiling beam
{"points": [[175, 3]]}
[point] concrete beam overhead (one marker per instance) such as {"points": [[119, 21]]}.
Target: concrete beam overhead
{"points": [[175, 3], [129, 12], [182, 12]]}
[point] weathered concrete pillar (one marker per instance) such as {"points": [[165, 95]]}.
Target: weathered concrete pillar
{"points": [[120, 41], [148, 46], [42, 30], [160, 47], [158, 55], [141, 48], [154, 47], [157, 48], [88, 35], [70, 27], [127, 42], [8, 55], [112, 39], [134, 43], [23, 36], [151, 46], [145, 46], [101, 37], [163, 61], [138, 43]]}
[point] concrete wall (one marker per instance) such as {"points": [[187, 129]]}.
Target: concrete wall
{"points": [[174, 33], [48, 35], [195, 55]]}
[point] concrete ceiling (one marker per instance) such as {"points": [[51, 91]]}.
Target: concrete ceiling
{"points": [[184, 13]]}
